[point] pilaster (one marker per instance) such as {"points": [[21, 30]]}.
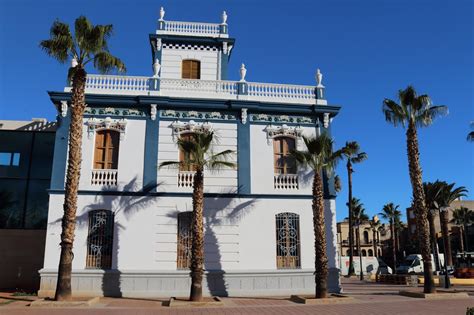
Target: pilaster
{"points": [[243, 154], [58, 173], [150, 165]]}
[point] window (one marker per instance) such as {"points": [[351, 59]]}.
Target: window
{"points": [[191, 69], [106, 149], [9, 159], [183, 156], [288, 240], [184, 240], [371, 252], [284, 163], [100, 239], [366, 237], [364, 253]]}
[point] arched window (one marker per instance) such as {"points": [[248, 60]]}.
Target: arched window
{"points": [[288, 240], [371, 252], [100, 239], [364, 253], [184, 240], [284, 163], [106, 149], [191, 69], [366, 237], [183, 156]]}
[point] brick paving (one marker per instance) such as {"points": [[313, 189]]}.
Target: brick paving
{"points": [[369, 298]]}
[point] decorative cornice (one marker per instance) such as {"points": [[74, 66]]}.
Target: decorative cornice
{"points": [[133, 112], [284, 130], [94, 124], [282, 119], [180, 127], [196, 115]]}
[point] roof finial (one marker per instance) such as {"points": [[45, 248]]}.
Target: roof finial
{"points": [[162, 14], [224, 17]]}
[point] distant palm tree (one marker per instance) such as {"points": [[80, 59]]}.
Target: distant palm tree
{"points": [[374, 226], [399, 226], [359, 217], [463, 217], [448, 194], [89, 44], [470, 135], [432, 192], [351, 152], [198, 156], [319, 156], [390, 212], [416, 111], [337, 183]]}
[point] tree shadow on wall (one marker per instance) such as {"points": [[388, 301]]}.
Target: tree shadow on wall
{"points": [[124, 206]]}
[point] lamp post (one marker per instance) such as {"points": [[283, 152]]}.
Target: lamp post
{"points": [[447, 283]]}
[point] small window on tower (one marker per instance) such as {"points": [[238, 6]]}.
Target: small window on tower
{"points": [[191, 69]]}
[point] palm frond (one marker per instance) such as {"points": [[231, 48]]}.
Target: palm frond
{"points": [[394, 113], [60, 44], [215, 165], [362, 156], [170, 164], [106, 62], [428, 115]]}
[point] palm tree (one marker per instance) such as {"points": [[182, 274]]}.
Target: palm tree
{"points": [[447, 195], [352, 154], [398, 227], [320, 157], [416, 111], [89, 44], [390, 212], [432, 191], [359, 216], [198, 156], [463, 217], [374, 226], [470, 135]]}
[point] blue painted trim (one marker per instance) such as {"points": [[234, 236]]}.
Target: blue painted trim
{"points": [[182, 194], [58, 173], [243, 158], [150, 166]]}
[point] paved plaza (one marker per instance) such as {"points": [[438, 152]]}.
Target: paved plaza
{"points": [[368, 298]]}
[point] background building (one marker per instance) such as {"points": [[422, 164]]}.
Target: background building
{"points": [[26, 156]]}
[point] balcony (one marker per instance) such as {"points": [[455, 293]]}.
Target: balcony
{"points": [[192, 29], [186, 179], [209, 89], [104, 177], [285, 181]]}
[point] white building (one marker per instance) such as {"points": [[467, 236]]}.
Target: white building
{"points": [[132, 237]]}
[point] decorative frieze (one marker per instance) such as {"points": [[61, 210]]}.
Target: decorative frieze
{"points": [[198, 115], [282, 119], [190, 126], [94, 124], [283, 130], [133, 112]]}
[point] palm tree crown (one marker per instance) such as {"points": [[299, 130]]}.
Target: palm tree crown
{"points": [[413, 109], [352, 153], [89, 44], [463, 216], [198, 154], [390, 212]]}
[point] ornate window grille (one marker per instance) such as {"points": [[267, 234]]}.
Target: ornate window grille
{"points": [[288, 240], [184, 240], [100, 239]]}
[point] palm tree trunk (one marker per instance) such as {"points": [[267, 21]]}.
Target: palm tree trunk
{"points": [[443, 218], [466, 243], [392, 239], [73, 173], [419, 205], [434, 242], [351, 221], [374, 240], [197, 247], [321, 259], [461, 239], [359, 251]]}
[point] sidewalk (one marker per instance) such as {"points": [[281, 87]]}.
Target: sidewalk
{"points": [[369, 298]]}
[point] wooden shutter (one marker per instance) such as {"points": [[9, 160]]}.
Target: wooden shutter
{"points": [[183, 155], [284, 163], [106, 149], [191, 69]]}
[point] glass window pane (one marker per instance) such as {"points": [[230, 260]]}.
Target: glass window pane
{"points": [[16, 159], [5, 158]]}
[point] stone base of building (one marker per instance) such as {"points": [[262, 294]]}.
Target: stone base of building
{"points": [[154, 284]]}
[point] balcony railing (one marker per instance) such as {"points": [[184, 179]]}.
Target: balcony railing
{"points": [[218, 89], [104, 177], [185, 179], [192, 29], [285, 181]]}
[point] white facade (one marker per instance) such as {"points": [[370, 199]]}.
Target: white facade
{"points": [[240, 204]]}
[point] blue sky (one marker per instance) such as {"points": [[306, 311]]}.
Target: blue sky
{"points": [[367, 50]]}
